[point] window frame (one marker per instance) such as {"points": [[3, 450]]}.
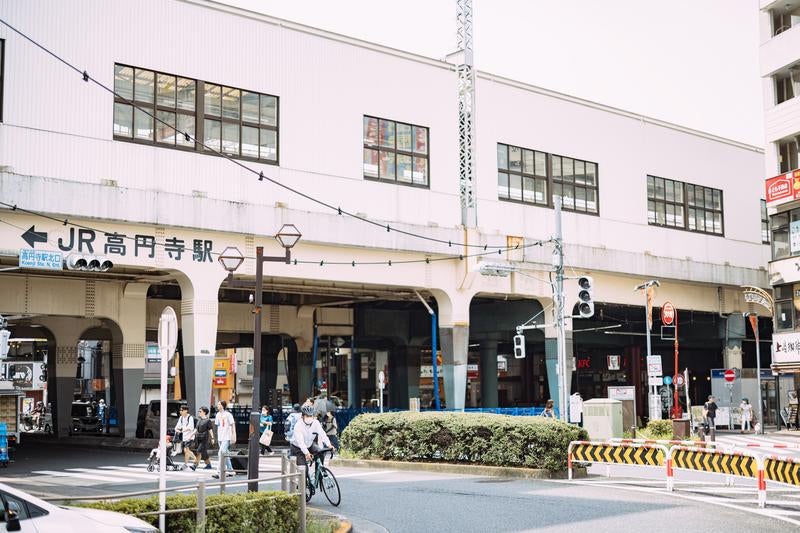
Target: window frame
{"points": [[686, 207], [548, 179], [413, 154], [794, 314], [199, 117], [792, 151], [765, 226], [2, 74]]}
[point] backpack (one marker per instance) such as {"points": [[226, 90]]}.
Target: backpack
{"points": [[288, 425]]}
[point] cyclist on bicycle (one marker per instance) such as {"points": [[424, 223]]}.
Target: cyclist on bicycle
{"points": [[307, 432]]}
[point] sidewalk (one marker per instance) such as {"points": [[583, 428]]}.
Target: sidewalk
{"points": [[103, 441]]}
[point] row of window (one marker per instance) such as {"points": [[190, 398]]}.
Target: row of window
{"points": [[787, 306], [682, 205]]}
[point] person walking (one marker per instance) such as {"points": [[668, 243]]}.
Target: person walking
{"points": [[101, 415], [203, 438], [331, 428], [549, 410], [747, 414], [185, 434], [265, 425], [710, 415], [226, 435]]}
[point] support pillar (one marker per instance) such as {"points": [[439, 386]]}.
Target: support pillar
{"points": [[128, 357], [454, 343], [488, 373], [733, 331], [398, 377], [551, 362], [304, 378]]}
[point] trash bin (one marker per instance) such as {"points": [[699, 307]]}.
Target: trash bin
{"points": [[681, 428]]}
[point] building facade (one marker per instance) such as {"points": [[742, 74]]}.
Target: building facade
{"points": [[780, 71], [201, 147]]}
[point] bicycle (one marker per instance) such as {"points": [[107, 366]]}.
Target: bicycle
{"points": [[323, 478]]}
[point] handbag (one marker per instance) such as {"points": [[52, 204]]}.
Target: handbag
{"points": [[266, 437]]}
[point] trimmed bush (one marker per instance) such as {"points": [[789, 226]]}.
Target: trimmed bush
{"points": [[272, 511], [659, 429], [476, 438]]}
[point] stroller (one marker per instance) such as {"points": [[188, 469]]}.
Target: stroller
{"points": [[153, 463]]}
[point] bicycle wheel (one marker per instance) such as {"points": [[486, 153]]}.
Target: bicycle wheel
{"points": [[331, 487], [309, 490]]}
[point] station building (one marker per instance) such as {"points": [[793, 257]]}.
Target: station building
{"points": [[314, 122]]}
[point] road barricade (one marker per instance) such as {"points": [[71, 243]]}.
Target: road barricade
{"points": [[782, 470], [719, 461], [615, 453]]}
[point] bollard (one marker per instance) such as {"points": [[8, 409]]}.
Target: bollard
{"points": [[569, 466], [633, 431], [201, 506], [670, 480], [284, 472], [762, 488], [301, 493], [222, 474]]}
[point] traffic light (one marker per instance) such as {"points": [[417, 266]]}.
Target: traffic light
{"points": [[92, 263], [585, 302], [4, 336], [519, 346]]}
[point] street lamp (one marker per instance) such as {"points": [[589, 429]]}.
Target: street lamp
{"points": [[231, 259], [753, 318], [650, 390]]}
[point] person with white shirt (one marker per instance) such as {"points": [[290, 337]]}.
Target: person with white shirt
{"points": [[185, 432], [307, 437], [226, 435]]}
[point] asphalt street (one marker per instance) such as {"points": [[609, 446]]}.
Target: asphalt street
{"points": [[379, 500]]}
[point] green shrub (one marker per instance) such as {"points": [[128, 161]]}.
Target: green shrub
{"points": [[271, 511], [477, 438], [659, 429]]}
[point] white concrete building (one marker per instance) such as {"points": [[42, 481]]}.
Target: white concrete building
{"points": [[780, 72], [373, 131]]}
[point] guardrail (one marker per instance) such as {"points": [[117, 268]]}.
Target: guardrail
{"points": [[615, 453], [293, 481]]}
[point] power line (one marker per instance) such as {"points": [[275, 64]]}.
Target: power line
{"points": [[261, 177]]}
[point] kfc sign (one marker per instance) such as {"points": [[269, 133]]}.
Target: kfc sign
{"points": [[783, 188]]}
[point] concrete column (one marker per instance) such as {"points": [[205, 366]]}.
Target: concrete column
{"points": [[551, 362], [488, 373], [733, 330], [128, 356], [199, 317], [398, 377], [454, 343], [304, 375], [66, 332]]}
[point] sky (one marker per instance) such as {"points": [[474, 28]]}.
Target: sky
{"points": [[690, 62]]}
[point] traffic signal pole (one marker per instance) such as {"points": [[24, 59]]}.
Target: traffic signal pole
{"points": [[558, 263]]}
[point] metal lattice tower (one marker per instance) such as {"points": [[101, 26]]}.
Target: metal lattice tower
{"points": [[466, 109]]}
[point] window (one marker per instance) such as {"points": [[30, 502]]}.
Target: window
{"points": [[243, 124], [787, 307], [784, 19], [396, 151], [784, 87], [524, 175], [764, 223], [785, 234], [787, 155], [676, 204]]}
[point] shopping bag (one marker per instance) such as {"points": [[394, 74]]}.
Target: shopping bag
{"points": [[266, 437]]}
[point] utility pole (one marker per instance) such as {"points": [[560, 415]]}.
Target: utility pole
{"points": [[466, 108], [654, 411], [558, 301]]}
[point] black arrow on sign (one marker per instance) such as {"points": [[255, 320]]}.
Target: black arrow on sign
{"points": [[32, 236]]}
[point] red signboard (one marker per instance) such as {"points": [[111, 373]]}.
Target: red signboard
{"points": [[783, 188], [667, 313], [730, 375]]}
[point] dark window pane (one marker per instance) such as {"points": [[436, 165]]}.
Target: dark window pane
{"points": [[269, 144], [514, 159], [651, 212], [502, 185], [250, 107], [591, 174], [515, 187], [123, 120], [541, 191], [420, 140], [123, 81], [690, 194], [387, 135], [404, 168], [580, 198], [784, 312], [528, 194], [679, 216], [420, 170], [567, 170], [212, 134], [718, 223], [231, 99], [651, 187], [230, 138], [670, 212], [144, 86], [591, 200], [185, 125], [213, 100], [143, 124], [679, 191], [186, 94], [502, 156], [269, 110], [661, 214], [580, 173], [556, 164], [710, 222], [556, 191], [527, 162], [709, 199], [668, 190], [541, 164], [717, 199], [660, 189], [165, 133], [387, 162], [165, 90], [371, 131], [250, 141], [370, 163], [568, 196], [404, 139], [780, 243]]}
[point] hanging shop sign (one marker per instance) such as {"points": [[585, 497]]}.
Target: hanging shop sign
{"points": [[783, 188], [786, 347]]}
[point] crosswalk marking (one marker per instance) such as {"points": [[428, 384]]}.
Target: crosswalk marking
{"points": [[80, 475]]}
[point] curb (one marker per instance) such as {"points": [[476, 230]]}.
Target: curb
{"points": [[450, 468]]}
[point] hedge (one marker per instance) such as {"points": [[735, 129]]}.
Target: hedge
{"points": [[486, 439], [271, 511]]}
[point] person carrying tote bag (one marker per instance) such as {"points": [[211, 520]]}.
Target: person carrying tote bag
{"points": [[266, 430]]}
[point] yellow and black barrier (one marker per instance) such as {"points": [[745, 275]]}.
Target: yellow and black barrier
{"points": [[613, 453], [783, 470], [715, 462]]}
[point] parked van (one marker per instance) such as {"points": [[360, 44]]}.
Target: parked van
{"points": [[152, 419]]}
